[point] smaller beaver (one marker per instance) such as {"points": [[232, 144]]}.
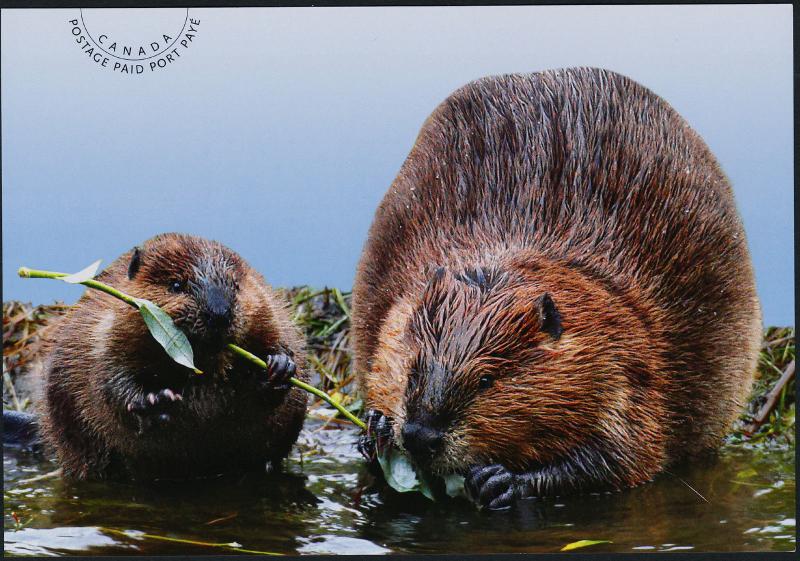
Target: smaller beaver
{"points": [[116, 405]]}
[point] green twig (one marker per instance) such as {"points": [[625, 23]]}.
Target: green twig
{"points": [[232, 546], [25, 272], [300, 384]]}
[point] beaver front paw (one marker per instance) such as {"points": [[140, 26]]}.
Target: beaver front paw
{"points": [[154, 409], [378, 435], [272, 381], [281, 368], [494, 487]]}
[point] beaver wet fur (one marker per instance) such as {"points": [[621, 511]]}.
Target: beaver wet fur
{"points": [[556, 294], [116, 405]]}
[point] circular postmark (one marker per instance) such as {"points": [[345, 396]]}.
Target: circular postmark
{"points": [[132, 41], [136, 35]]}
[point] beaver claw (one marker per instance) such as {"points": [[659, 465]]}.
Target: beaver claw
{"points": [[378, 435], [281, 369], [493, 487], [154, 408]]}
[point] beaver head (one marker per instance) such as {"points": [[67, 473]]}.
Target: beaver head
{"points": [[196, 281], [517, 366]]}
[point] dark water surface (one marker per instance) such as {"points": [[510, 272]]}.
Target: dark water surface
{"points": [[743, 501]]}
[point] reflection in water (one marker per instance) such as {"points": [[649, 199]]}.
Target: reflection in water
{"points": [[744, 501], [70, 540]]}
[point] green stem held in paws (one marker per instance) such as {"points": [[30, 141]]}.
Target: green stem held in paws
{"points": [[300, 384], [25, 272]]}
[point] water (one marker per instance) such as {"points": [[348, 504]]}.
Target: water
{"points": [[743, 501]]}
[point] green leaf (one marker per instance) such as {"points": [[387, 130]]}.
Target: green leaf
{"points": [[401, 476], [337, 294], [398, 471], [425, 487], [454, 485], [582, 543], [167, 333], [355, 405], [83, 275]]}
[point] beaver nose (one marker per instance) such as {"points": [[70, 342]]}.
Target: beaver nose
{"points": [[420, 440], [218, 320], [218, 313]]}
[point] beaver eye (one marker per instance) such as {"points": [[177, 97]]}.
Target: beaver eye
{"points": [[485, 381], [175, 286]]}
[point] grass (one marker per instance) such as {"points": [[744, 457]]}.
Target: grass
{"points": [[776, 356], [24, 329], [324, 317]]}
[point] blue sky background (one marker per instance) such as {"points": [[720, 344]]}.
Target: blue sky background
{"points": [[280, 129]]}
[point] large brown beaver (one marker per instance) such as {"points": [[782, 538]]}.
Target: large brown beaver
{"points": [[556, 294], [116, 405]]}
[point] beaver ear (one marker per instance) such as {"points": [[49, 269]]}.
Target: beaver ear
{"points": [[136, 261], [549, 317]]}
